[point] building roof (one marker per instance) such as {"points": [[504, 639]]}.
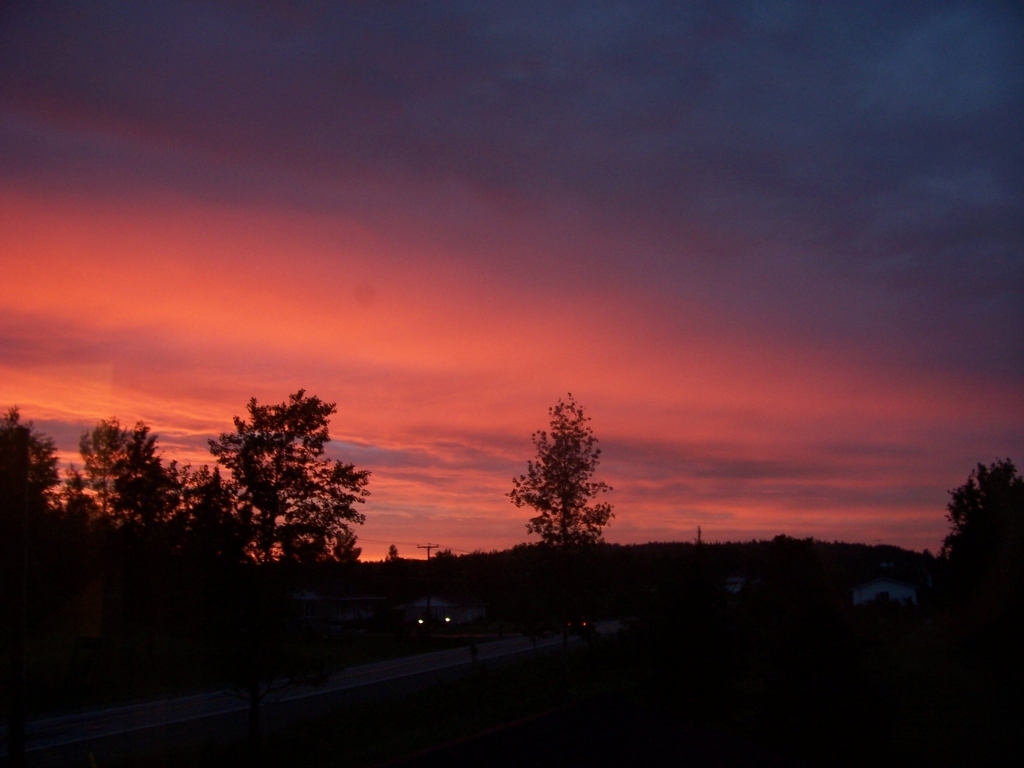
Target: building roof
{"points": [[439, 602], [885, 580], [334, 596]]}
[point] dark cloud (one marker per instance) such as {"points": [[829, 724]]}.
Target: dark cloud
{"points": [[851, 172]]}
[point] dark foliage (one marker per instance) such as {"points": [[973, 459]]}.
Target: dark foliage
{"points": [[688, 638], [558, 484], [984, 555], [60, 545], [192, 558], [291, 502], [986, 516]]}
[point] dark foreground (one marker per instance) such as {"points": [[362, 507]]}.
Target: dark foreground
{"points": [[140, 732], [918, 698], [609, 729]]}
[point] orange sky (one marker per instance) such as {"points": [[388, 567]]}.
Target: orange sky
{"points": [[176, 314], [776, 256]]}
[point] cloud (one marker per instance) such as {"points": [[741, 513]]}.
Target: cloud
{"points": [[801, 166], [777, 246]]}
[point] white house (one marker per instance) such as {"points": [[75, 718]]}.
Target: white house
{"points": [[443, 610], [885, 589], [734, 584]]}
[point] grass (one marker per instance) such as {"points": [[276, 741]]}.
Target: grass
{"points": [[944, 704]]}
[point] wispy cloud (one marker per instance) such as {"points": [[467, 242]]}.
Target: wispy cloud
{"points": [[775, 248]]}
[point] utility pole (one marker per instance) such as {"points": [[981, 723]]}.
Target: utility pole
{"points": [[428, 547]]}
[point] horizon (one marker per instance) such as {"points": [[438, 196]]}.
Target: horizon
{"points": [[776, 254], [380, 547], [726, 542]]}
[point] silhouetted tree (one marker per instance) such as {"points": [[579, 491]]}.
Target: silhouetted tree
{"points": [[145, 491], [28, 476], [76, 498], [292, 503], [254, 657], [101, 448], [393, 554], [43, 477], [210, 531], [133, 499], [986, 516], [290, 506], [558, 484], [984, 554], [124, 484], [57, 531]]}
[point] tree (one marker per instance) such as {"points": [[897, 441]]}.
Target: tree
{"points": [[558, 484], [289, 505], [28, 475], [292, 503], [43, 477], [25, 501], [57, 530], [77, 498], [986, 516], [145, 492], [209, 531], [101, 448]]}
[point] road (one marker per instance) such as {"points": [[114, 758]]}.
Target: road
{"points": [[221, 716]]}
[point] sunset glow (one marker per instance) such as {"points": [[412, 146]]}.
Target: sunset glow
{"points": [[767, 342]]}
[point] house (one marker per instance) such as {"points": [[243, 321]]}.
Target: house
{"points": [[331, 608], [885, 589], [442, 610], [734, 584]]}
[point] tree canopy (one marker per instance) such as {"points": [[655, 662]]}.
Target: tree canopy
{"points": [[33, 495], [101, 448], [42, 454], [558, 482], [291, 502], [986, 516]]}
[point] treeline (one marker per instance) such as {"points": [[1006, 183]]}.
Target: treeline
{"points": [[211, 556], [269, 498], [614, 580], [189, 557], [761, 637]]}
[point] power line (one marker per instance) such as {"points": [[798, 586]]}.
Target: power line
{"points": [[428, 547], [410, 544]]}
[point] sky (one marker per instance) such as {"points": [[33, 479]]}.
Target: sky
{"points": [[775, 250]]}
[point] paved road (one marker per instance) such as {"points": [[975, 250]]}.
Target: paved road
{"points": [[221, 715]]}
